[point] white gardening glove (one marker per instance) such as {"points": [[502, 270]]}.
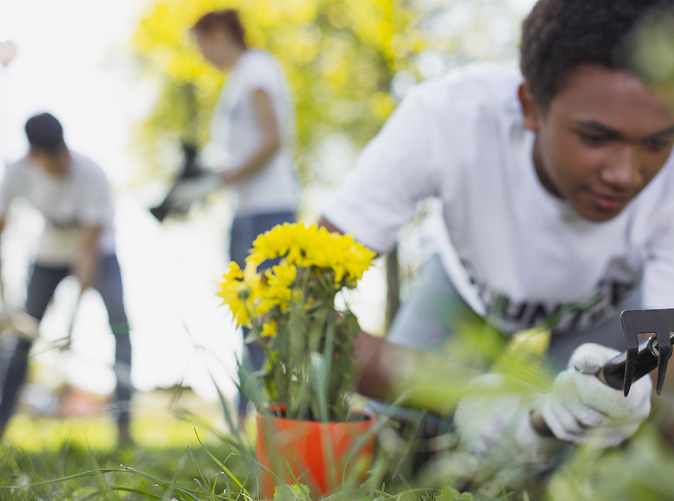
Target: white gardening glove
{"points": [[18, 324], [581, 409], [494, 425], [25, 326], [188, 191]]}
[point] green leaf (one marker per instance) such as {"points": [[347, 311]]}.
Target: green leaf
{"points": [[320, 370], [451, 494]]}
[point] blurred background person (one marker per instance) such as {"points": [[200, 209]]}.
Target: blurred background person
{"points": [[253, 126], [73, 195]]}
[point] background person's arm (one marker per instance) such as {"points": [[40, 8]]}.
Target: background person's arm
{"points": [[88, 260], [271, 139]]}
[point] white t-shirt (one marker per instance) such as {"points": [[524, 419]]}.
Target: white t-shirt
{"points": [[508, 245], [68, 203], [236, 133]]}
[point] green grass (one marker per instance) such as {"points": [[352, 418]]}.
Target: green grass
{"points": [[77, 458], [181, 457], [174, 459]]}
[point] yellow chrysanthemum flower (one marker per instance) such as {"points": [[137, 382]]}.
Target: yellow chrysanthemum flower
{"points": [[273, 243], [269, 329], [281, 275], [356, 258], [248, 292], [236, 294]]}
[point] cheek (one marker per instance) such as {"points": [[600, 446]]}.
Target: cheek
{"points": [[575, 162], [560, 157], [654, 164]]}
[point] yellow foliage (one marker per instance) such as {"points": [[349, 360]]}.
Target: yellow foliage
{"points": [[341, 52]]}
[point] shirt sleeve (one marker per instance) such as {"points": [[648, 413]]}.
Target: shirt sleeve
{"points": [[391, 176], [263, 73]]}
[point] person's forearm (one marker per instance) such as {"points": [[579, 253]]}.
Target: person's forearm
{"points": [[254, 165], [407, 377], [401, 375], [271, 139], [86, 268], [322, 221]]}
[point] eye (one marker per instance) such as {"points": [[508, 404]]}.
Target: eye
{"points": [[656, 145], [593, 139]]}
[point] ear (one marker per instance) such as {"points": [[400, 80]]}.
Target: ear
{"points": [[530, 110]]}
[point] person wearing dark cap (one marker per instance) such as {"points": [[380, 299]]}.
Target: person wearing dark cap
{"points": [[73, 195], [554, 185]]}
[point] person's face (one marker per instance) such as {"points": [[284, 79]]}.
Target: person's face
{"points": [[55, 164], [601, 141], [218, 47]]}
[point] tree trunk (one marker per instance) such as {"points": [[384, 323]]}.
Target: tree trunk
{"points": [[392, 286]]}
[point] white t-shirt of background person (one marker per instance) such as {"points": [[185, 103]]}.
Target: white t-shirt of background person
{"points": [[67, 203], [237, 134], [515, 252]]}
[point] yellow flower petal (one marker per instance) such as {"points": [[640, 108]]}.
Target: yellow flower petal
{"points": [[269, 329]]}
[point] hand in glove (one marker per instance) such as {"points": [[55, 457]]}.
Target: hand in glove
{"points": [[188, 191], [495, 422], [494, 426], [580, 408]]}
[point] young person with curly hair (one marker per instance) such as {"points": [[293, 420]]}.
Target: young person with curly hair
{"points": [[556, 184]]}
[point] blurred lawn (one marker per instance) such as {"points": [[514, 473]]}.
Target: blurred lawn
{"points": [[181, 455], [54, 458]]}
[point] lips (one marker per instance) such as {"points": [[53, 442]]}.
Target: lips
{"points": [[608, 202]]}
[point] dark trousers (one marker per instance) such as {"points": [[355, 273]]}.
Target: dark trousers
{"points": [[245, 230], [41, 287]]}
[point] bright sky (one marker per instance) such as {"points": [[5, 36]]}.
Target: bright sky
{"points": [[70, 62]]}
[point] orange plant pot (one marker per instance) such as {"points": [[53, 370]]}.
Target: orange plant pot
{"points": [[326, 457]]}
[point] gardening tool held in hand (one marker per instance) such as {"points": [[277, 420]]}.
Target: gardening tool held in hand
{"points": [[192, 184], [638, 359]]}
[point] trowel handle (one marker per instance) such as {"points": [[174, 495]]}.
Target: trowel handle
{"points": [[613, 371], [613, 374]]}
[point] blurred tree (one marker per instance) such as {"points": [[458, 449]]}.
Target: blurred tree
{"points": [[348, 62], [340, 56]]}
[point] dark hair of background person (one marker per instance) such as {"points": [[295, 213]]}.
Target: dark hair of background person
{"points": [[228, 19], [558, 36], [45, 133]]}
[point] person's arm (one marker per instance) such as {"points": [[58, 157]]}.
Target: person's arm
{"points": [[86, 268], [322, 221], [411, 378], [271, 139], [394, 373]]}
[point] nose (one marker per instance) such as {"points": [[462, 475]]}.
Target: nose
{"points": [[624, 171]]}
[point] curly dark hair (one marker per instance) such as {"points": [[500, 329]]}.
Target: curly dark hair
{"points": [[560, 35]]}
